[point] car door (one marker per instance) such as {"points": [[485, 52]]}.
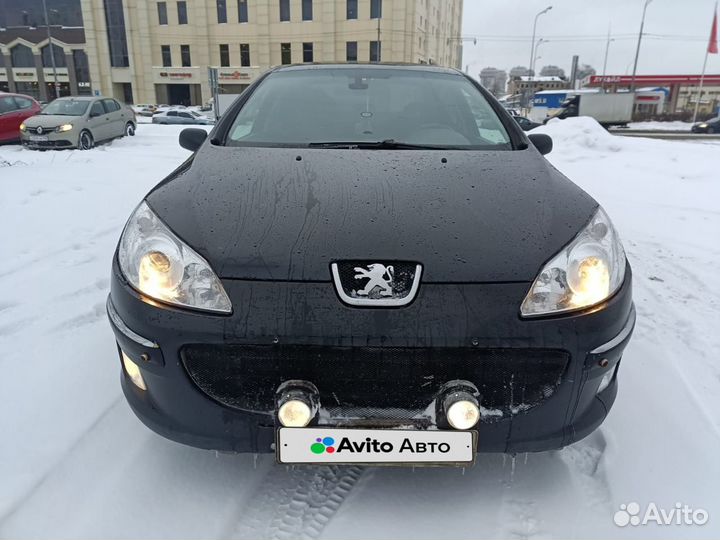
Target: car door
{"points": [[98, 121], [115, 121], [9, 124], [185, 118]]}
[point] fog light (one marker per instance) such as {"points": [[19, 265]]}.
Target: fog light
{"points": [[297, 403], [606, 380], [133, 371], [463, 414], [295, 413]]}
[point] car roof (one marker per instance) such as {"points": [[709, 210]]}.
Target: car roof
{"points": [[369, 65]]}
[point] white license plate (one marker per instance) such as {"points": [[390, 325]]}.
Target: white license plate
{"points": [[331, 445], [38, 138]]}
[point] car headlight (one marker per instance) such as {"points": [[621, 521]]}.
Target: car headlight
{"points": [[585, 272], [23, 127], [64, 128], [703, 125], [160, 265]]}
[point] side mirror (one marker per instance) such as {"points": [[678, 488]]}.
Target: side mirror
{"points": [[192, 138], [542, 142]]}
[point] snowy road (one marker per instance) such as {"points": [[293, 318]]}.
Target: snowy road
{"points": [[75, 462]]}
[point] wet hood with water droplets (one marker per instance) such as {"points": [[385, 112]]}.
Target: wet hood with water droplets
{"points": [[286, 214]]}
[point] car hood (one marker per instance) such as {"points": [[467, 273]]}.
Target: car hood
{"points": [[50, 120], [286, 214]]}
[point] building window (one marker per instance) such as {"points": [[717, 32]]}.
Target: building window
{"points": [[242, 11], [117, 40], [351, 51], [352, 9], [22, 56], [59, 55], [375, 9], [182, 12], [284, 10], [162, 12], [166, 55], [307, 52], [221, 11], [375, 51], [185, 55], [224, 56], [285, 53], [245, 54], [82, 71], [307, 10]]}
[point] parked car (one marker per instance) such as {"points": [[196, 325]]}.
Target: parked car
{"points": [[525, 123], [376, 247], [179, 116], [145, 110], [14, 110], [708, 126], [78, 122]]}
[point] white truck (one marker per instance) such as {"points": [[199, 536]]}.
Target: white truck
{"points": [[614, 109]]}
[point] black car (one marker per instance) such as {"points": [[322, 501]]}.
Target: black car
{"points": [[369, 263], [525, 123], [708, 126]]}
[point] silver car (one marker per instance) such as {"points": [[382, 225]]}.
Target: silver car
{"points": [[180, 116], [78, 122]]}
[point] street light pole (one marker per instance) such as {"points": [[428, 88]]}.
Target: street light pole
{"points": [[537, 54], [637, 50], [532, 44], [52, 51], [607, 50]]}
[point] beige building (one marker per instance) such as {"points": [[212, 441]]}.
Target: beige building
{"points": [[147, 51]]}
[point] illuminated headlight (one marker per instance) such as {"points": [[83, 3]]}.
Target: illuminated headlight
{"points": [[703, 125], [586, 272], [160, 265], [64, 128], [133, 371], [23, 127]]}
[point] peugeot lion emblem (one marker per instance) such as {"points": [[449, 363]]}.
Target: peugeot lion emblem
{"points": [[376, 283], [378, 275]]}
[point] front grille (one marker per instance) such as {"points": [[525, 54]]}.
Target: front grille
{"points": [[373, 378]]}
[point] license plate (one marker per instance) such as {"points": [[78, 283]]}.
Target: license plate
{"points": [[403, 447], [38, 138]]}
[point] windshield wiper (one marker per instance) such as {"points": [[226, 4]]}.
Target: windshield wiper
{"points": [[387, 144]]}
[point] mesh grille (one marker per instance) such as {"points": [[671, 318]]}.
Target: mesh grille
{"points": [[379, 378]]}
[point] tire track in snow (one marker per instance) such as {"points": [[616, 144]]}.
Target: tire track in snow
{"points": [[296, 502]]}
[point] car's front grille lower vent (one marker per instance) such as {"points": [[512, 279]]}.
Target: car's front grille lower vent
{"points": [[378, 378]]}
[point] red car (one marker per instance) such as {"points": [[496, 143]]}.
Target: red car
{"points": [[14, 109]]}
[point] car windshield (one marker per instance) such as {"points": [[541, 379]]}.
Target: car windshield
{"points": [[383, 107], [66, 107]]}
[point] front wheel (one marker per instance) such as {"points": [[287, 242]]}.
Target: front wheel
{"points": [[129, 129], [86, 141]]}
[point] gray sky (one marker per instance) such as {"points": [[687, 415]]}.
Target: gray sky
{"points": [[504, 30]]}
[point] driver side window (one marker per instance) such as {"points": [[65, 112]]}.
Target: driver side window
{"points": [[97, 109]]}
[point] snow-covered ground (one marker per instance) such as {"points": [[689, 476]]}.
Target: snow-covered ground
{"points": [[75, 462]]}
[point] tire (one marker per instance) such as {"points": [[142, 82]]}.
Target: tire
{"points": [[129, 129], [86, 141]]}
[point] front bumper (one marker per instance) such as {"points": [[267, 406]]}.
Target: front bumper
{"points": [[66, 139], [460, 319]]}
